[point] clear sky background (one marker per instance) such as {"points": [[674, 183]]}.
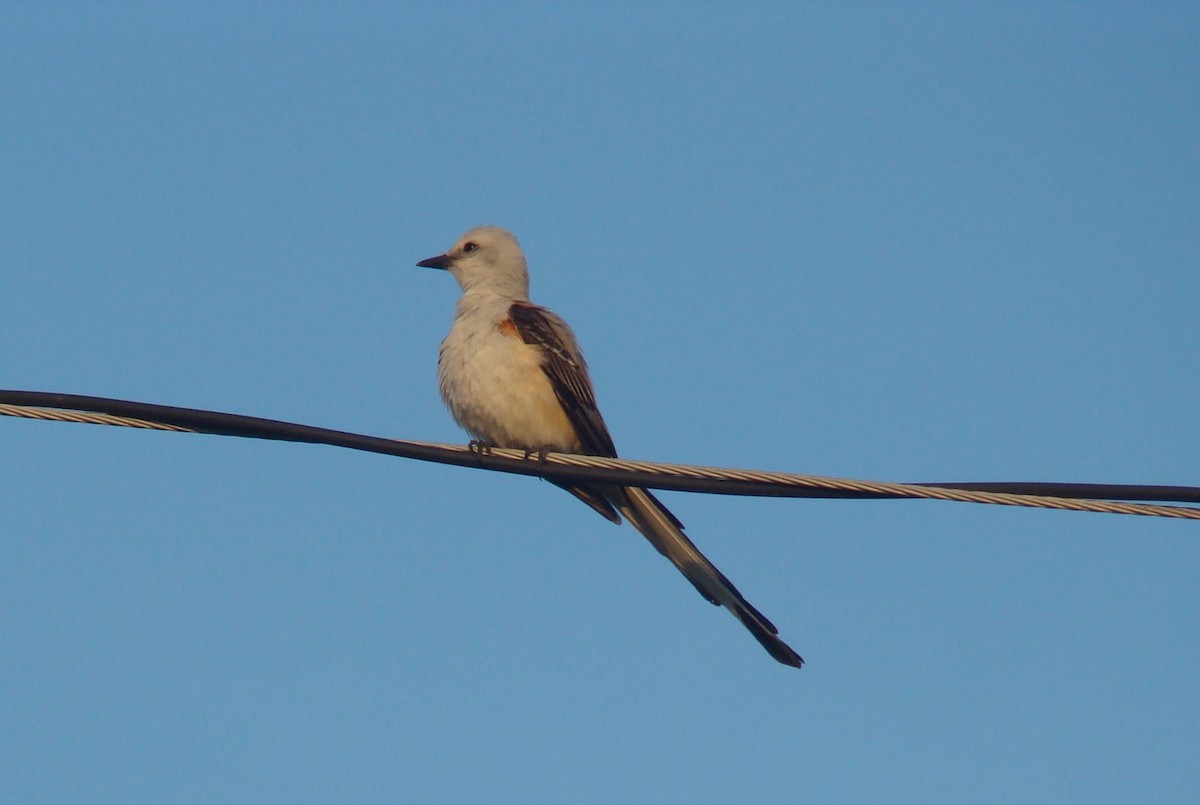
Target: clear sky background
{"points": [[890, 241]]}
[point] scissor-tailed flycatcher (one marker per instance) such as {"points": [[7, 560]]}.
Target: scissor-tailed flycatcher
{"points": [[512, 375]]}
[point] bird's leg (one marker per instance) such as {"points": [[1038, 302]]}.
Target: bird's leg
{"points": [[479, 448], [541, 453]]}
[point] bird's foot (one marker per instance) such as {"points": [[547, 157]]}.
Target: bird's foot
{"points": [[479, 448], [541, 454]]}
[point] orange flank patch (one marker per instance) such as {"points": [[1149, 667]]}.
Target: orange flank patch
{"points": [[509, 329]]}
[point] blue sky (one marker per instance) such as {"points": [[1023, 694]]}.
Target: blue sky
{"points": [[893, 241]]}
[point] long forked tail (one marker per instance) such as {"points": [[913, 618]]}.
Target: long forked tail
{"points": [[665, 533]]}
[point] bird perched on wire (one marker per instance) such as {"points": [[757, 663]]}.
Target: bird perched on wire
{"points": [[512, 375]]}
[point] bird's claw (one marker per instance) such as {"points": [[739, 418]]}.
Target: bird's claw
{"points": [[541, 454]]}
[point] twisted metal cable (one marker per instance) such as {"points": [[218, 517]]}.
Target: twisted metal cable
{"points": [[564, 465], [881, 488], [87, 418]]}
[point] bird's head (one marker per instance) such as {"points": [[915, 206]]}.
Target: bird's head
{"points": [[486, 258]]}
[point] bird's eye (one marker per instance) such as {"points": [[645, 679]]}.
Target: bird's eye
{"points": [[470, 247]]}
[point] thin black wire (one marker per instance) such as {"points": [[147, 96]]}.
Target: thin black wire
{"points": [[224, 424]]}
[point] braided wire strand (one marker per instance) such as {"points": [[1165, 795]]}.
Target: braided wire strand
{"points": [[686, 471]]}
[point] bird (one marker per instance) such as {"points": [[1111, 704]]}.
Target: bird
{"points": [[513, 376]]}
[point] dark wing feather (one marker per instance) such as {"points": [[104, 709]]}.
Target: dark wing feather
{"points": [[564, 365]]}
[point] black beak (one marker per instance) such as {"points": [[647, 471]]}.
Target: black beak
{"points": [[442, 261]]}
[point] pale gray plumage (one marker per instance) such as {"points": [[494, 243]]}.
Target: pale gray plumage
{"points": [[512, 375]]}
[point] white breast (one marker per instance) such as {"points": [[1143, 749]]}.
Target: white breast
{"points": [[494, 385]]}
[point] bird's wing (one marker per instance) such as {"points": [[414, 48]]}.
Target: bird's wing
{"points": [[564, 366]]}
